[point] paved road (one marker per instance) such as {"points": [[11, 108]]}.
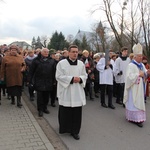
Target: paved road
{"points": [[105, 129], [19, 130]]}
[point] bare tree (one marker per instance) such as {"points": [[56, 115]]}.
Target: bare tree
{"points": [[145, 14], [44, 40], [70, 38], [109, 14], [132, 23], [129, 21]]}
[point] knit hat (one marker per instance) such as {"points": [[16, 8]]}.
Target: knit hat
{"points": [[52, 51], [137, 49]]}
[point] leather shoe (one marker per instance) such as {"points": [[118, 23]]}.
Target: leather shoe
{"points": [[13, 103], [111, 106], [96, 96], [31, 98], [53, 105], [139, 124], [40, 114], [119, 102], [92, 98], [104, 105], [46, 111], [75, 136]]}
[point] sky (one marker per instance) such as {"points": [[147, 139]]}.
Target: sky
{"points": [[21, 20]]}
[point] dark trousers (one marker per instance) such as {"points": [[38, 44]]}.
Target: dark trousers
{"points": [[103, 91], [120, 91], [31, 90], [53, 94], [42, 100], [114, 89], [88, 89], [3, 89], [70, 119], [96, 87]]}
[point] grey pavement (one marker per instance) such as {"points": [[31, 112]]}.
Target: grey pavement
{"points": [[102, 128], [105, 129], [19, 130]]}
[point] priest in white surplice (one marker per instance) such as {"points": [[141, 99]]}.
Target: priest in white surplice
{"points": [[134, 88], [71, 79]]}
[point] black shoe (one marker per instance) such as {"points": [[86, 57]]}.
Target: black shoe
{"points": [[139, 124], [46, 111], [40, 114], [119, 102], [96, 96], [75, 136], [124, 106], [91, 98], [31, 98], [9, 98], [13, 102], [111, 106], [53, 105], [19, 106], [104, 105]]}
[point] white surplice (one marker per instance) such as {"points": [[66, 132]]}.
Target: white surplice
{"points": [[70, 95]]}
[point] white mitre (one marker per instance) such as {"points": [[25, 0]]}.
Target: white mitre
{"points": [[137, 49]]}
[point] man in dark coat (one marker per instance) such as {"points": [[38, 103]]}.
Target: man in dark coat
{"points": [[42, 76]]}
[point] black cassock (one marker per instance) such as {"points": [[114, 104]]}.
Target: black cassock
{"points": [[70, 117]]}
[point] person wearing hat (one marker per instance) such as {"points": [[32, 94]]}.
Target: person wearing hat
{"points": [[12, 69], [134, 88], [52, 53]]}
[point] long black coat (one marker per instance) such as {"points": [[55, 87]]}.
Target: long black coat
{"points": [[42, 73]]}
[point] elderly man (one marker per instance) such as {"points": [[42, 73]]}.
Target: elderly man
{"points": [[134, 88], [42, 76], [71, 76]]}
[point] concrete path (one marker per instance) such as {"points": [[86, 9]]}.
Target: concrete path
{"points": [[19, 130]]}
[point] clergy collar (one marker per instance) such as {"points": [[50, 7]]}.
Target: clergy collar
{"points": [[123, 57], [72, 62]]}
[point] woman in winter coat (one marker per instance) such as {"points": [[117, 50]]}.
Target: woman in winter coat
{"points": [[28, 61], [89, 66], [12, 69]]}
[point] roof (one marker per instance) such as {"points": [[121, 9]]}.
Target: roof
{"points": [[20, 44], [79, 36], [90, 37]]}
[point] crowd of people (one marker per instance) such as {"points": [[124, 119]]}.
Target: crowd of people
{"points": [[73, 76]]}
